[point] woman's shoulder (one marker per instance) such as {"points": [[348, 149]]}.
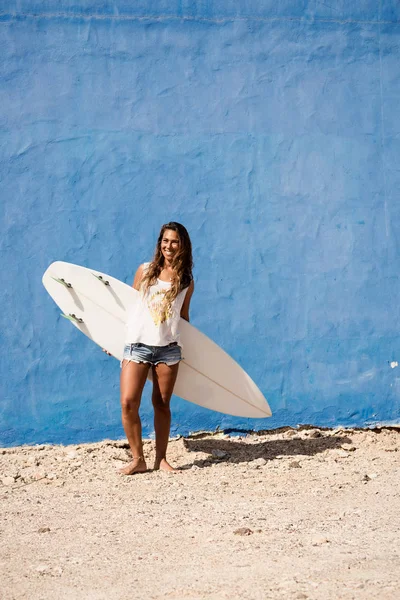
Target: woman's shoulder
{"points": [[143, 267], [140, 273]]}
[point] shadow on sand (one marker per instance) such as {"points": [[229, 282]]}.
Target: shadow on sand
{"points": [[237, 451]]}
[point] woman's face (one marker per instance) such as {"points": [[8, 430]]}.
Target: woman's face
{"points": [[169, 244]]}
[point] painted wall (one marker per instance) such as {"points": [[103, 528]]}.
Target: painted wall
{"points": [[271, 129]]}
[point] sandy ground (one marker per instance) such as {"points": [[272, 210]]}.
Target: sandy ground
{"points": [[287, 514]]}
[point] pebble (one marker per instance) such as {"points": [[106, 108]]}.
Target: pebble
{"points": [[295, 464], [43, 529], [290, 433], [243, 531], [369, 477], [319, 540], [338, 431], [348, 447], [219, 454], [315, 433]]}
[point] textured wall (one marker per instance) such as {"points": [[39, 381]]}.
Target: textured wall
{"points": [[271, 130]]}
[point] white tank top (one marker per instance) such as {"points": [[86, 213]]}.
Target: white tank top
{"points": [[151, 321]]}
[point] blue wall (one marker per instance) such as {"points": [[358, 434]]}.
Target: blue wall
{"points": [[271, 129]]}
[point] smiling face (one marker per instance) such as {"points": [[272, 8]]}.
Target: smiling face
{"points": [[169, 244]]}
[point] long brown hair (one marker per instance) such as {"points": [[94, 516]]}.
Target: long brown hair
{"points": [[182, 263]]}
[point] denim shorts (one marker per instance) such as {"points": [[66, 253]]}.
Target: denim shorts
{"points": [[154, 355]]}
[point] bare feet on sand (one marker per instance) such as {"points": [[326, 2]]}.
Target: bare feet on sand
{"points": [[137, 465], [162, 465]]}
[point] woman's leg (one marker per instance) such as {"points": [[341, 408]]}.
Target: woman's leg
{"points": [[133, 378], [164, 378]]}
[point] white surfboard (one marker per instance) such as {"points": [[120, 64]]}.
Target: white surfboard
{"points": [[98, 305]]}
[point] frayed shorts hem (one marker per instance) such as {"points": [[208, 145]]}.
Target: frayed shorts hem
{"points": [[152, 355], [149, 362]]}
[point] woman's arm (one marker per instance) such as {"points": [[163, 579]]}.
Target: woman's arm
{"points": [[186, 302], [138, 278]]}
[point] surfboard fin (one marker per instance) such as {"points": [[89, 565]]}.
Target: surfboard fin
{"points": [[63, 282], [72, 317], [100, 278]]}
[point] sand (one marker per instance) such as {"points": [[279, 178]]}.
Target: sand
{"points": [[305, 513]]}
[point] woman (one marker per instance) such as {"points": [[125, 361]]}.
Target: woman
{"points": [[152, 341]]}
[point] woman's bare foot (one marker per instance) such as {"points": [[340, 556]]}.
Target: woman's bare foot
{"points": [[137, 465], [162, 465]]}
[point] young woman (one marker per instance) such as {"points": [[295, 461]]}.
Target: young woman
{"points": [[152, 341]]}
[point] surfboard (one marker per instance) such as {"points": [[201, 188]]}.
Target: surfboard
{"points": [[99, 305]]}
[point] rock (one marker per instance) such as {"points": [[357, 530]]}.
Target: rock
{"points": [[348, 447], [319, 540], [43, 529], [338, 431], [315, 433], [369, 477], [219, 454], [290, 433], [243, 531], [8, 480], [295, 464]]}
